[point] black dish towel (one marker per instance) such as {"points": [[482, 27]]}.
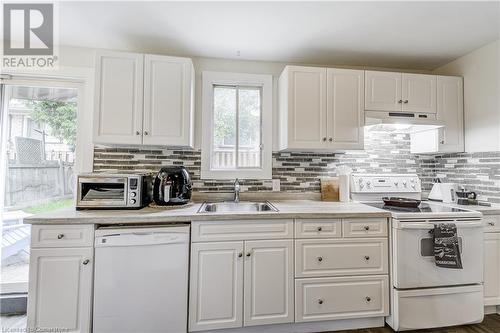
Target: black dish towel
{"points": [[446, 249]]}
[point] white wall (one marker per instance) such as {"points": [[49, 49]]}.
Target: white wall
{"points": [[481, 72]]}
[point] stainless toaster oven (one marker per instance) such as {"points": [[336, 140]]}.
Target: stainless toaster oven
{"points": [[113, 191]]}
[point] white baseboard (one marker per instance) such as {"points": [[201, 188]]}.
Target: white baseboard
{"points": [[321, 326]]}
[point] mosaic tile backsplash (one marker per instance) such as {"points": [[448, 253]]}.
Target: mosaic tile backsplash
{"points": [[300, 171]]}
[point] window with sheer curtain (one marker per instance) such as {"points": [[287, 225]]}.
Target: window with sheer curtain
{"points": [[237, 123]]}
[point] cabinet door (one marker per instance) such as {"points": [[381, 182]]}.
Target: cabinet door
{"points": [[491, 269], [419, 93], [168, 100], [307, 120], [382, 91], [268, 286], [345, 108], [118, 98], [216, 286], [60, 289], [450, 110]]}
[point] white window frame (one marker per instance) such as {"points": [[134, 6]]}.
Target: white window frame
{"points": [[265, 83]]}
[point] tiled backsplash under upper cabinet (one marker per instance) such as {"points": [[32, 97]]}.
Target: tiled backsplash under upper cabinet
{"points": [[300, 171]]}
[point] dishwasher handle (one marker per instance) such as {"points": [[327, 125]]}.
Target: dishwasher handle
{"points": [[141, 238]]}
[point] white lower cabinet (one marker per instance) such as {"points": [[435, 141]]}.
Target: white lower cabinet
{"points": [[60, 289], [341, 298], [268, 282], [244, 283], [491, 268], [216, 286]]}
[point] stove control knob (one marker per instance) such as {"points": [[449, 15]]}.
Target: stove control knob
{"points": [[412, 180], [133, 201], [413, 186], [361, 185], [396, 183], [404, 183], [133, 194]]}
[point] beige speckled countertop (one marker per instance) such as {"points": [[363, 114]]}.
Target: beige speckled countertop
{"points": [[286, 209]]}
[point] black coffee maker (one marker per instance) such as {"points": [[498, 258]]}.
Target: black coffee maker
{"points": [[172, 186]]}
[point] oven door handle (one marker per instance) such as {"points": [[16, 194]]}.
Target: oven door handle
{"points": [[429, 226]]}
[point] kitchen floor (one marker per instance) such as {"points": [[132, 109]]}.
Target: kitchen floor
{"points": [[491, 324]]}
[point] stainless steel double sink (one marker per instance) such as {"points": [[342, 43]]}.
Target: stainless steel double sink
{"points": [[236, 207]]}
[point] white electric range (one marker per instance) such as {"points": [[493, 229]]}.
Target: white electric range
{"points": [[422, 294]]}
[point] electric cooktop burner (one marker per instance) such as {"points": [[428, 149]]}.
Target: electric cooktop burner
{"points": [[422, 208]]}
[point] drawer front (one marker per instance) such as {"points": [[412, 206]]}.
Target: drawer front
{"points": [[318, 228], [341, 298], [364, 227], [62, 235], [341, 257], [491, 223], [205, 231]]}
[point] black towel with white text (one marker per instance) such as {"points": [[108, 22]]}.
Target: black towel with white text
{"points": [[446, 248]]}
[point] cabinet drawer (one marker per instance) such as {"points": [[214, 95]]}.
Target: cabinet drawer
{"points": [[62, 235], [491, 223], [317, 257], [341, 298], [318, 228], [203, 231], [364, 227]]}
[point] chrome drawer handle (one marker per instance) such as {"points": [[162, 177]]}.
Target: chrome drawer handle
{"points": [[60, 236], [367, 227], [86, 261], [367, 258], [320, 259], [320, 229], [368, 299], [320, 301]]}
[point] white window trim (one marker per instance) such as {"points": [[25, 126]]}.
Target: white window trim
{"points": [[210, 79]]}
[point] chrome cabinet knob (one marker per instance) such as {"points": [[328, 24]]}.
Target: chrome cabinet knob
{"points": [[367, 227], [249, 254], [320, 229], [146, 133], [137, 133], [320, 259], [86, 261], [368, 299], [320, 301], [406, 101], [240, 255], [400, 101], [491, 223], [331, 139], [60, 236], [367, 258], [324, 139]]}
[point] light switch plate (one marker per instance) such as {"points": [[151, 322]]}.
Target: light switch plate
{"points": [[276, 185]]}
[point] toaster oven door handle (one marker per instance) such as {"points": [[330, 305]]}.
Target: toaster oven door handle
{"points": [[102, 180]]}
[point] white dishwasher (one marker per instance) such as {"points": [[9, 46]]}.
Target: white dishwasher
{"points": [[141, 279]]}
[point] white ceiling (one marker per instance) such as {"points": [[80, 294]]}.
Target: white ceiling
{"points": [[420, 35]]}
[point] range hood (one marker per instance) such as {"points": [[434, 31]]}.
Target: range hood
{"points": [[401, 122]]}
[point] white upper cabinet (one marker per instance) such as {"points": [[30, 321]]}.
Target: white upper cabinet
{"points": [[400, 92], [303, 117], [321, 108], [143, 99], [450, 111], [419, 93], [118, 98], [168, 100], [345, 101], [383, 91]]}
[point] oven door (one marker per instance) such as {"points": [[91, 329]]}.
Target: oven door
{"points": [[102, 192], [413, 257]]}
